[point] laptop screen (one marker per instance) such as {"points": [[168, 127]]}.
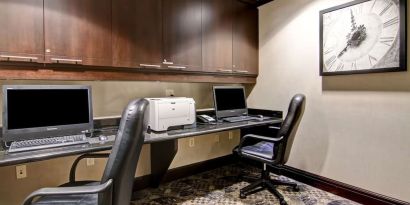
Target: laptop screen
{"points": [[230, 101]]}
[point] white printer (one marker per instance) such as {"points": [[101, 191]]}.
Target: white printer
{"points": [[169, 112]]}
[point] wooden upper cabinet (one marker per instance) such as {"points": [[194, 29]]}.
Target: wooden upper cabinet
{"points": [[137, 33], [78, 32], [21, 32], [217, 18], [245, 38], [182, 48]]}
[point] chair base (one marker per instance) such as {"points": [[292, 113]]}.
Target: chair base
{"points": [[263, 183]]}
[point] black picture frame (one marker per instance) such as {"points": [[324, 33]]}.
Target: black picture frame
{"points": [[402, 49]]}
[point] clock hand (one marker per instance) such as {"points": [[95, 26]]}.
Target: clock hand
{"points": [[353, 20], [343, 51], [354, 39], [356, 36]]}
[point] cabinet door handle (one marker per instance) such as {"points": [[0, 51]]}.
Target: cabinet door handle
{"points": [[241, 71], [176, 67], [66, 61], [150, 66], [167, 62], [225, 70], [18, 58]]}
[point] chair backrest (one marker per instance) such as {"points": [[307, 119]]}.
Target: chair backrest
{"points": [[122, 163], [289, 128]]}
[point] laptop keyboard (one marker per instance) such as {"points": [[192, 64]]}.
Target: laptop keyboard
{"points": [[43, 143]]}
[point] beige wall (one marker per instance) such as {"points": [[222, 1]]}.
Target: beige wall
{"points": [[355, 128], [109, 98]]}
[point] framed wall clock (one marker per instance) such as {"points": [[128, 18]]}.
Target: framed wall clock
{"points": [[363, 36]]}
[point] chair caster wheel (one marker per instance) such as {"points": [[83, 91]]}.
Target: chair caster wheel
{"points": [[283, 202], [242, 196], [296, 188]]}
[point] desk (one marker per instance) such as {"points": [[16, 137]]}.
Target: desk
{"points": [[164, 146]]}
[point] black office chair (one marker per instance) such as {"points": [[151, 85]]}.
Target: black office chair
{"points": [[115, 187], [273, 151]]}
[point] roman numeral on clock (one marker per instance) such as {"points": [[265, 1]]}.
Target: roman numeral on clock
{"points": [[388, 6], [358, 9], [330, 61], [327, 51], [371, 59], [374, 2], [340, 67], [388, 41], [391, 22], [354, 66]]}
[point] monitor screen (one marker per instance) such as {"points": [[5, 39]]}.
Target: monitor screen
{"points": [[229, 99], [48, 107], [44, 108]]}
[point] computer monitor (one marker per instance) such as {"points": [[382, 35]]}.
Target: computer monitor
{"points": [[229, 101], [40, 111]]}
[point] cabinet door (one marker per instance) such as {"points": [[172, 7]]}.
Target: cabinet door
{"points": [[78, 32], [21, 32], [245, 38], [217, 35], [137, 33], [182, 34]]}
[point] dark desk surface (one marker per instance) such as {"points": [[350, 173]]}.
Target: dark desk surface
{"points": [[96, 145]]}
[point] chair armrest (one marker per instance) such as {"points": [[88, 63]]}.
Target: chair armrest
{"points": [[80, 190], [263, 138], [84, 156]]}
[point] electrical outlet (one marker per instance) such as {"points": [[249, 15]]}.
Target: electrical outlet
{"points": [[90, 162], [21, 171], [191, 142], [230, 135], [216, 138], [169, 93]]}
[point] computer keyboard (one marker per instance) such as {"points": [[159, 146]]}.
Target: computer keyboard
{"points": [[36, 144], [240, 118]]}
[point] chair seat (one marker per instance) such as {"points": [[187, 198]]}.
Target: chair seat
{"points": [[87, 199], [260, 149]]}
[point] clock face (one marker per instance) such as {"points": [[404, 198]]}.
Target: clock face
{"points": [[361, 37]]}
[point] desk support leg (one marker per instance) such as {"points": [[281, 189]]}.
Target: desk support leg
{"points": [[162, 154]]}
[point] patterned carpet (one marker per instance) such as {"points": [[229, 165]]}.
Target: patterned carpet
{"points": [[220, 186]]}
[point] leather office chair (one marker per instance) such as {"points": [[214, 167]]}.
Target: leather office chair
{"points": [[115, 187], [273, 151]]}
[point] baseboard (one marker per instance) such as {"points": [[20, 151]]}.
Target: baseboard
{"points": [[186, 171], [338, 188]]}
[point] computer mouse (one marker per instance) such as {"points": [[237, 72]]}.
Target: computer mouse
{"points": [[102, 138], [260, 116]]}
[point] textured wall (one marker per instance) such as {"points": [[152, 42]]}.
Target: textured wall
{"points": [[109, 98], [355, 128]]}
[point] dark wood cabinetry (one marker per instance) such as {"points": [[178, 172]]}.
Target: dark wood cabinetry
{"points": [[137, 33], [230, 37], [78, 32], [245, 38], [21, 32], [217, 19], [189, 40], [182, 48]]}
